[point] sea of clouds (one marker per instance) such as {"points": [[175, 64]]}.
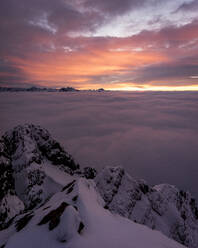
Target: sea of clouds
{"points": [[154, 135]]}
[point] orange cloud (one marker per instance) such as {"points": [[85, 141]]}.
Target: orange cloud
{"points": [[80, 67], [166, 57]]}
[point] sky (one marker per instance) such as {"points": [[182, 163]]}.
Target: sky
{"points": [[153, 135], [89, 44]]}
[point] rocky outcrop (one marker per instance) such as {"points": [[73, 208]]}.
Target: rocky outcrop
{"points": [[30, 143], [25, 153], [162, 207]]}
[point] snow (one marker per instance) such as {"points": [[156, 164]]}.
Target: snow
{"points": [[58, 176], [102, 228], [13, 205]]}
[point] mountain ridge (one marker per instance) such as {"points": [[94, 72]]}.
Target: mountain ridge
{"points": [[35, 168]]}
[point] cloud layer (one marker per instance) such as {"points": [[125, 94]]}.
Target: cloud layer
{"points": [[91, 43], [153, 135]]}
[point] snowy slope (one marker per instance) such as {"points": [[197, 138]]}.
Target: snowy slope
{"points": [[76, 218]]}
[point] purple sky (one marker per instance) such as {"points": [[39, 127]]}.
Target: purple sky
{"points": [[115, 44]]}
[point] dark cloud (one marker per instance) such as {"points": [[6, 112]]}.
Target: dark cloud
{"points": [[191, 6], [9, 73], [177, 72], [171, 36], [26, 23], [8, 68], [117, 7], [59, 14]]}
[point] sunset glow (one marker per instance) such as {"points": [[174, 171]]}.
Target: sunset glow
{"points": [[90, 44], [153, 88]]}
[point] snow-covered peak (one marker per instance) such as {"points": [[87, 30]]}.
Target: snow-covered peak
{"points": [[162, 207], [32, 164], [30, 143]]}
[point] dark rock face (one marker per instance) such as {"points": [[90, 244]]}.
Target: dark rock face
{"points": [[89, 173], [68, 186], [80, 228], [7, 186], [21, 223], [53, 217], [6, 177]]}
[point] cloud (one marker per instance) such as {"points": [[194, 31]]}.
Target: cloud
{"points": [[178, 72], [153, 135], [27, 22], [117, 7], [189, 6]]}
